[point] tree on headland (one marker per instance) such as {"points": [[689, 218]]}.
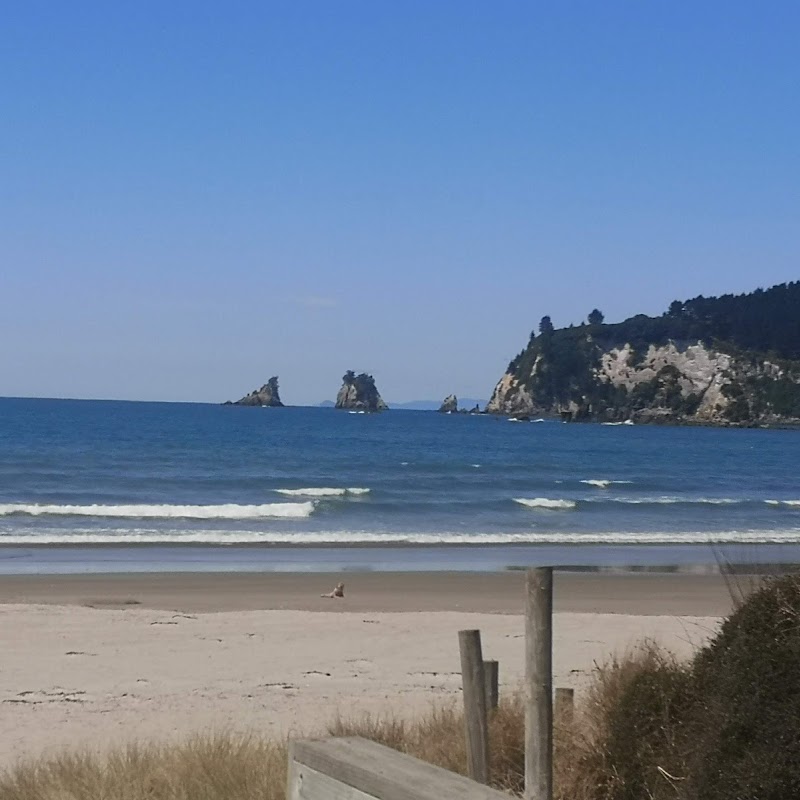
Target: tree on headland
{"points": [[546, 326], [595, 317]]}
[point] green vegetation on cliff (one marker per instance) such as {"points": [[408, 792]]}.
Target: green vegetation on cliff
{"points": [[734, 358]]}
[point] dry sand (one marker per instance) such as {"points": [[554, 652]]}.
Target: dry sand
{"points": [[102, 660]]}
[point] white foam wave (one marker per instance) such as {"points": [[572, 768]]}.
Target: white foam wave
{"points": [[545, 502], [322, 491], [164, 511], [783, 502], [602, 483], [131, 537], [646, 501]]}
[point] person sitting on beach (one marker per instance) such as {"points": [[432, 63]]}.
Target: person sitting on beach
{"points": [[337, 592]]}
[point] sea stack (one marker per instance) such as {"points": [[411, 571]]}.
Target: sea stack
{"points": [[359, 393], [449, 405], [267, 395]]}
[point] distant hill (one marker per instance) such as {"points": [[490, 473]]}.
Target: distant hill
{"points": [[733, 359]]}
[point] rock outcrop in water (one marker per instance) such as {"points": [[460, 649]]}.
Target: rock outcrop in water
{"points": [[267, 395], [449, 405], [359, 393], [687, 366]]}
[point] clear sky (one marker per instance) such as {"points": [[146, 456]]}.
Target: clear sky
{"points": [[197, 195]]}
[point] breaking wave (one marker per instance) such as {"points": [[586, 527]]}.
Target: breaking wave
{"points": [[544, 502], [323, 491], [636, 501], [602, 483], [794, 503], [164, 511], [306, 538]]}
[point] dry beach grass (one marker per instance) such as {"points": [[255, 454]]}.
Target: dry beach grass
{"points": [[227, 766]]}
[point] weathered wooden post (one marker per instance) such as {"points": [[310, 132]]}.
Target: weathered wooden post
{"points": [[491, 674], [565, 706], [476, 722], [539, 684]]}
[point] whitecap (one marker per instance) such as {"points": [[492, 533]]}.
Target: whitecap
{"points": [[602, 483], [545, 502], [644, 501], [322, 491]]}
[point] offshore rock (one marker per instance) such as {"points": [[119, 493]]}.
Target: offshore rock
{"points": [[359, 393], [267, 395], [450, 405]]}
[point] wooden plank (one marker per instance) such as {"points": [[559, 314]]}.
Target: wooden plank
{"points": [[308, 784], [491, 674], [476, 722], [539, 684], [382, 773]]}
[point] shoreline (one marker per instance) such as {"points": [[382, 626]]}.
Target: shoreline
{"points": [[180, 558], [603, 592]]}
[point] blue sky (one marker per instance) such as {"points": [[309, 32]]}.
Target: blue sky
{"points": [[197, 195]]}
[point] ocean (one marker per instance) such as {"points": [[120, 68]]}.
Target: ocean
{"points": [[103, 486]]}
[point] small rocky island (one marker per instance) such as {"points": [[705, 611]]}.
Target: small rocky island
{"points": [[449, 405], [267, 395], [359, 393]]}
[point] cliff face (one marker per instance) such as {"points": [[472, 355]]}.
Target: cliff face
{"points": [[575, 374], [359, 393], [267, 395]]}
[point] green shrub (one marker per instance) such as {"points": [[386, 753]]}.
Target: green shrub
{"points": [[747, 720]]}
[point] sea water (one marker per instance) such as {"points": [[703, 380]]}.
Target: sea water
{"points": [[105, 485]]}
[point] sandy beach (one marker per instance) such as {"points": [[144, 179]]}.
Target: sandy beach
{"points": [[93, 661]]}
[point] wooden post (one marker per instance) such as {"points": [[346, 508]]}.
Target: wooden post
{"points": [[475, 716], [539, 684], [491, 674], [565, 706]]}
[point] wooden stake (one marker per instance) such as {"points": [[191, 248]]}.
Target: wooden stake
{"points": [[565, 707], [475, 715], [491, 674], [539, 684]]}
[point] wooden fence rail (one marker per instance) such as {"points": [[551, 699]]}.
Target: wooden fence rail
{"points": [[357, 769]]}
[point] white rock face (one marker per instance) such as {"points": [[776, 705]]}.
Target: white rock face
{"points": [[510, 397], [702, 372]]}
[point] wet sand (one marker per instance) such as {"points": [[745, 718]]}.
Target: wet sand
{"points": [[493, 593]]}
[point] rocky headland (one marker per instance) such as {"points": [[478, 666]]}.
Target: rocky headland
{"points": [[267, 395], [733, 360], [359, 393]]}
